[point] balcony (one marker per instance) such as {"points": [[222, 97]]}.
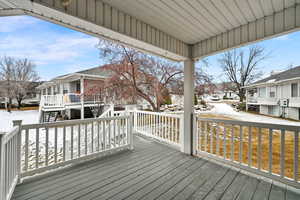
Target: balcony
{"points": [[137, 155], [67, 100]]}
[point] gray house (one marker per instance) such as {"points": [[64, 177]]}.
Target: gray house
{"points": [[277, 95]]}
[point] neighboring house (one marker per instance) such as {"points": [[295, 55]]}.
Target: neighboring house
{"points": [[73, 95], [277, 95], [77, 95], [224, 91]]}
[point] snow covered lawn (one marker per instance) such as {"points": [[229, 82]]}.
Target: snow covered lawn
{"points": [[6, 118], [226, 110]]}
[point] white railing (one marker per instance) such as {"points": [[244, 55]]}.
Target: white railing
{"points": [[61, 100], [51, 145], [161, 126], [52, 100], [266, 149], [108, 112], [10, 148]]}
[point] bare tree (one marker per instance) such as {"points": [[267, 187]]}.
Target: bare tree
{"points": [[7, 65], [242, 67], [18, 76], [24, 76], [136, 75]]}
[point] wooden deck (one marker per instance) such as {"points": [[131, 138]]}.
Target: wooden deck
{"points": [[151, 171]]}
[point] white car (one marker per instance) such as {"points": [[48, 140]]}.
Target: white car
{"points": [[215, 98]]}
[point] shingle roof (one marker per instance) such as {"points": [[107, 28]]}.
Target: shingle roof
{"points": [[288, 74], [100, 71]]}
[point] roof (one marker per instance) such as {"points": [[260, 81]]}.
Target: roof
{"points": [[99, 72], [285, 75]]}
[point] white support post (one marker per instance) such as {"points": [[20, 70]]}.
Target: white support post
{"points": [[19, 124], [189, 70], [82, 96], [2, 158]]}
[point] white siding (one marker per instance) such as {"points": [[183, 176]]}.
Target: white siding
{"points": [[293, 113]]}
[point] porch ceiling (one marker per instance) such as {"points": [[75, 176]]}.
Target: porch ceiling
{"points": [[177, 29]]}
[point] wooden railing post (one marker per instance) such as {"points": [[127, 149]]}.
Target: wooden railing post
{"points": [[2, 159], [19, 146]]}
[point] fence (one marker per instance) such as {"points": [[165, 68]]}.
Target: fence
{"points": [[267, 149], [10, 144]]}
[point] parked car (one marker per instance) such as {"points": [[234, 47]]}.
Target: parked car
{"points": [[215, 98]]}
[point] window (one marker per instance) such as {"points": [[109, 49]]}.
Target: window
{"points": [[78, 87], [272, 92], [262, 92], [294, 89], [271, 110]]}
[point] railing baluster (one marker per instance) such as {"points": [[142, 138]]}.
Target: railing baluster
{"points": [[296, 153], [78, 141], [259, 160], [224, 142], [119, 132], [270, 150], [241, 145], [196, 147], [282, 153], [218, 140], [109, 134], [172, 129], [37, 143], [211, 138], [92, 137], [64, 143], [205, 136], [114, 133], [85, 139], [98, 136], [250, 146], [103, 135], [26, 149], [176, 131], [200, 134], [72, 142], [232, 143], [55, 145]]}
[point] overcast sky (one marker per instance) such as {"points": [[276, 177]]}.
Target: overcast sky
{"points": [[57, 50]]}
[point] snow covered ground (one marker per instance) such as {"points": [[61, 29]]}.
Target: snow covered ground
{"points": [[6, 118], [226, 110]]}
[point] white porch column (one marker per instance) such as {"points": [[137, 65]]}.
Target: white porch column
{"points": [[189, 70], [82, 96]]}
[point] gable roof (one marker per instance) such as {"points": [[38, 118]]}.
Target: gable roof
{"points": [[99, 71], [285, 75]]}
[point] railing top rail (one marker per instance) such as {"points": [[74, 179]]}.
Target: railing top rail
{"points": [[71, 122], [158, 113], [252, 124], [8, 135]]}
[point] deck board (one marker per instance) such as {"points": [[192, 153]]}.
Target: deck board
{"points": [[150, 171]]}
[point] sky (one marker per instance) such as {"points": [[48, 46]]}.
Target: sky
{"points": [[57, 50]]}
